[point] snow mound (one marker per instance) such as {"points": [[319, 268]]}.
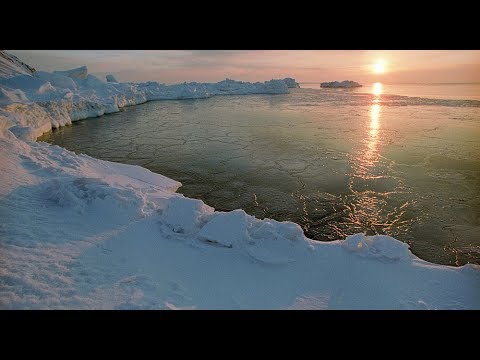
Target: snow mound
{"points": [[184, 215], [269, 228], [237, 229], [226, 228], [378, 246], [342, 84], [111, 78], [56, 80], [77, 73], [266, 241], [276, 243]]}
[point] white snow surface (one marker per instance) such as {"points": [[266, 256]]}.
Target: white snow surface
{"points": [[82, 233]]}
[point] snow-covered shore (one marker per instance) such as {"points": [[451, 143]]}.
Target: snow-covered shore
{"points": [[38, 101], [79, 232]]}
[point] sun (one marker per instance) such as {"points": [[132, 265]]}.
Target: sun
{"points": [[379, 67]]}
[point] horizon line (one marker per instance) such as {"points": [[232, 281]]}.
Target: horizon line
{"points": [[403, 83]]}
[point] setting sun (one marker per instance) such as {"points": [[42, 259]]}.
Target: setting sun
{"points": [[379, 67]]}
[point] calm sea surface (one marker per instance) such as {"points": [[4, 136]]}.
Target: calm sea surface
{"points": [[337, 162]]}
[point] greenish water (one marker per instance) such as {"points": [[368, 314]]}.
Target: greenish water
{"points": [[336, 163]]}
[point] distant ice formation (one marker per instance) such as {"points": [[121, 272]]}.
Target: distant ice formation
{"points": [[342, 84], [291, 83]]}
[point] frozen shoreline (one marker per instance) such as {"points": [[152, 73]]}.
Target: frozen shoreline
{"points": [[34, 102], [79, 232]]}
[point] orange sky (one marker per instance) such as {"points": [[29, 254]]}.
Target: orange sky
{"points": [[173, 66]]}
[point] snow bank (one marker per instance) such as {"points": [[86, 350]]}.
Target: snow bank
{"points": [[75, 94], [378, 246], [83, 233]]}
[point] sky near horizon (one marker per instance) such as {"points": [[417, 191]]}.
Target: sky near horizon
{"points": [[174, 66]]}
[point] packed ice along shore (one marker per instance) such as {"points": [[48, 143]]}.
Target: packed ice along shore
{"points": [[81, 233], [49, 100]]}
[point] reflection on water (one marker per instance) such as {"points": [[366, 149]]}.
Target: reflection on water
{"points": [[366, 201], [335, 162], [377, 89], [371, 153]]}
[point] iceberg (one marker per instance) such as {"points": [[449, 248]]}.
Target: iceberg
{"points": [[342, 84], [291, 83]]}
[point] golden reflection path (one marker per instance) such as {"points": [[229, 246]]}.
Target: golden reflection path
{"points": [[367, 207]]}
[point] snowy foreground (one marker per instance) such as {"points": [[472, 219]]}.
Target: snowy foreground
{"points": [[77, 232]]}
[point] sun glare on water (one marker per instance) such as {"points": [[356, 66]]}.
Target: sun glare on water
{"points": [[377, 89]]}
